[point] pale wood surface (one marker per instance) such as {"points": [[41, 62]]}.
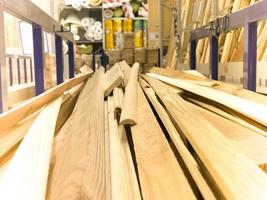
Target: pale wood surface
{"points": [[189, 160], [128, 114], [248, 142], [226, 165], [113, 78], [12, 117], [123, 178], [10, 139], [31, 161], [250, 109], [160, 175], [79, 170]]}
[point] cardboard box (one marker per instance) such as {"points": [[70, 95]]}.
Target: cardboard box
{"points": [[152, 56], [140, 55], [114, 56], [128, 40], [128, 56]]}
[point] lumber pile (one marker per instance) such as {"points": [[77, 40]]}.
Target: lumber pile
{"points": [[199, 13], [123, 135]]}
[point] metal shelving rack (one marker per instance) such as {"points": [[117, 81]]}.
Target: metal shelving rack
{"points": [[29, 12], [95, 12], [247, 18]]}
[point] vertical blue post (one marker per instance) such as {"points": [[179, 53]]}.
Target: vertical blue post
{"points": [[214, 57], [38, 58], [192, 61], [10, 71], [25, 70], [18, 66], [59, 59], [71, 59], [250, 56], [31, 70]]}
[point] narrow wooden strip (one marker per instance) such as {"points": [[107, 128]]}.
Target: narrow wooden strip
{"points": [[160, 175], [107, 154], [189, 160], [128, 114], [113, 78], [226, 165], [31, 161], [126, 71], [68, 106], [122, 184], [252, 110], [12, 137], [12, 117], [248, 142], [227, 116], [183, 75], [79, 170]]}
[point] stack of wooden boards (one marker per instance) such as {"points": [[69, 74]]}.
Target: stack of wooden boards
{"points": [[231, 45], [123, 135]]}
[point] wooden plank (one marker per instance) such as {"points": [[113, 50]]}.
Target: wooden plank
{"points": [[227, 116], [252, 110], [123, 178], [107, 153], [248, 142], [126, 71], [189, 160], [10, 139], [31, 161], [128, 114], [68, 106], [12, 117], [183, 75], [114, 77], [160, 175], [224, 163], [79, 169]]}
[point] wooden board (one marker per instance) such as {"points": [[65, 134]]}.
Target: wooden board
{"points": [[10, 139], [160, 175], [79, 169], [128, 114], [189, 160], [252, 110], [12, 117], [31, 161], [124, 183], [248, 142], [114, 77], [224, 163]]}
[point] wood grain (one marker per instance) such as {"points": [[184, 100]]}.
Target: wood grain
{"points": [[79, 170], [161, 177], [128, 114], [123, 178], [189, 160], [250, 109], [226, 165], [13, 116], [31, 161], [113, 78]]}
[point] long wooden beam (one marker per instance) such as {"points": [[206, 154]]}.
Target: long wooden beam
{"points": [[252, 110], [12, 117], [31, 161], [79, 169], [225, 164], [161, 177], [189, 160]]}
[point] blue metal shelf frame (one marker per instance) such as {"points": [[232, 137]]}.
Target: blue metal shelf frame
{"points": [[29, 12], [247, 18]]}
